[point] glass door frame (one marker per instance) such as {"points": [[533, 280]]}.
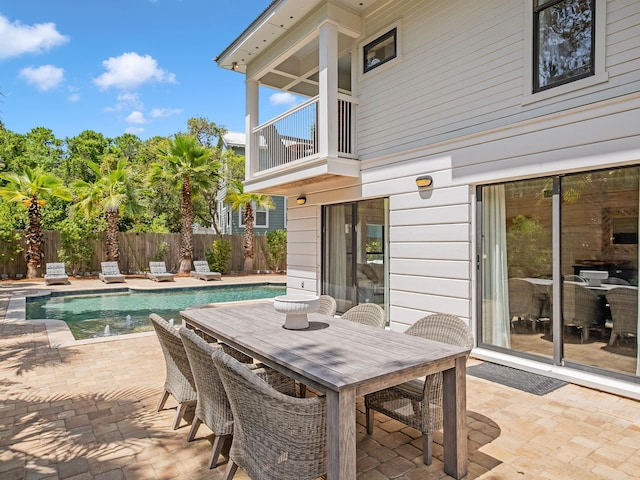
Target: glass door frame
{"points": [[353, 288], [558, 354]]}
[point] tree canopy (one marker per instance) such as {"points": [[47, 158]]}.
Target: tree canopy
{"points": [[173, 181]]}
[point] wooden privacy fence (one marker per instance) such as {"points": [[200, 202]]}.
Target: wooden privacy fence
{"points": [[138, 249]]}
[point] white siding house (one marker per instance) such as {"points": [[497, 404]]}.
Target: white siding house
{"points": [[533, 150]]}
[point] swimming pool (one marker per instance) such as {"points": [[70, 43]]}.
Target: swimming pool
{"points": [[97, 314]]}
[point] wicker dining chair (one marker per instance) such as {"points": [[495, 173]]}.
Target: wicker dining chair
{"points": [[525, 303], [179, 380], [623, 303], [418, 403], [579, 308], [275, 436], [366, 314], [328, 305], [212, 407]]}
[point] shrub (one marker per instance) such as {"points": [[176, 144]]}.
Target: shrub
{"points": [[163, 248], [277, 250], [218, 255], [9, 244], [76, 250]]}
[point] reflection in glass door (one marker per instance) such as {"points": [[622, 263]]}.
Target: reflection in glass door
{"points": [[584, 227], [354, 252], [599, 262], [517, 266]]}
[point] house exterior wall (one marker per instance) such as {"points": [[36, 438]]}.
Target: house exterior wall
{"points": [[462, 70], [276, 221], [414, 120], [456, 104]]}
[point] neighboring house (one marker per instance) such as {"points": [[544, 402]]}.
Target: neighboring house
{"points": [[266, 220], [449, 147]]}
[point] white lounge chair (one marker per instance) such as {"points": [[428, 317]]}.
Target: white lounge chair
{"points": [[202, 271], [159, 272], [110, 273], [56, 274]]}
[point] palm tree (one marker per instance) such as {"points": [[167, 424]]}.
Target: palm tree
{"points": [[239, 199], [188, 166], [113, 193], [29, 189]]}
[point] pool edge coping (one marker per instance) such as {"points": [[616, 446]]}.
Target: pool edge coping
{"points": [[58, 333]]}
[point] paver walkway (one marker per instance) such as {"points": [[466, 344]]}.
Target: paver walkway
{"points": [[87, 411]]}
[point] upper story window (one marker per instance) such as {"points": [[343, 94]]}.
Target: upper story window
{"points": [[564, 42], [380, 50]]}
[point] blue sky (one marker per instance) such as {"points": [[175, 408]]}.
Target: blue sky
{"points": [[123, 66]]}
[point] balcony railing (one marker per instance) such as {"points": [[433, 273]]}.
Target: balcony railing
{"points": [[294, 135]]}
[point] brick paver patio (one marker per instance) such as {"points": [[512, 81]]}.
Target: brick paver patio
{"points": [[87, 411]]}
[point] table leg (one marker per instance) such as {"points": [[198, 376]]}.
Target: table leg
{"points": [[454, 397], [341, 435]]}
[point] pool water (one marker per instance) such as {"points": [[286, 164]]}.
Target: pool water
{"points": [[103, 314]]}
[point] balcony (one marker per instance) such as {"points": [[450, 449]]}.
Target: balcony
{"points": [[290, 150]]}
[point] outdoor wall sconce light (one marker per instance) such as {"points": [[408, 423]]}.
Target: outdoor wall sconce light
{"points": [[235, 67], [301, 200], [424, 181]]}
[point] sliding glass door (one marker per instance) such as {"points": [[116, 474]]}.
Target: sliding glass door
{"points": [[355, 252], [559, 269]]}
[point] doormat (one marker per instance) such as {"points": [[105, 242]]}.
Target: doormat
{"points": [[514, 378]]}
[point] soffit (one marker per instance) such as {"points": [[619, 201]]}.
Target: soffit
{"points": [[295, 70]]}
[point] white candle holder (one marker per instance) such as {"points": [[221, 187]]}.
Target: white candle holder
{"points": [[296, 307]]}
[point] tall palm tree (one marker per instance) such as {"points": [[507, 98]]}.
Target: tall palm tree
{"points": [[113, 193], [31, 189], [189, 167], [239, 199]]}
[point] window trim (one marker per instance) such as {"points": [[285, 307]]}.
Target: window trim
{"points": [[372, 39], [391, 34], [255, 211], [537, 12], [600, 75]]}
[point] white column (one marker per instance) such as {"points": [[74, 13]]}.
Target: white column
{"points": [[252, 147], [328, 91]]}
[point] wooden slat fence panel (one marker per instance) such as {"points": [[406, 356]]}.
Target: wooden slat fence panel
{"points": [[138, 249]]}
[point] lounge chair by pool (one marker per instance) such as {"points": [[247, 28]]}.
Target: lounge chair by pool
{"points": [[110, 273], [159, 272], [202, 271], [56, 274]]}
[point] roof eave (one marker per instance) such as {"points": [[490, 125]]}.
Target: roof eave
{"points": [[248, 33]]}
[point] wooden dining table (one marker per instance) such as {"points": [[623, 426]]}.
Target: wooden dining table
{"points": [[344, 360]]}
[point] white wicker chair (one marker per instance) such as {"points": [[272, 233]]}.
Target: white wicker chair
{"points": [[418, 403], [623, 303], [179, 381], [212, 407], [328, 305], [367, 314], [525, 303], [579, 308], [275, 436]]}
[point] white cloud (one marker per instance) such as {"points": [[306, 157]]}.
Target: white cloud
{"points": [[164, 112], [17, 39], [135, 130], [126, 101], [282, 98], [44, 78], [136, 117], [74, 97], [130, 70]]}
